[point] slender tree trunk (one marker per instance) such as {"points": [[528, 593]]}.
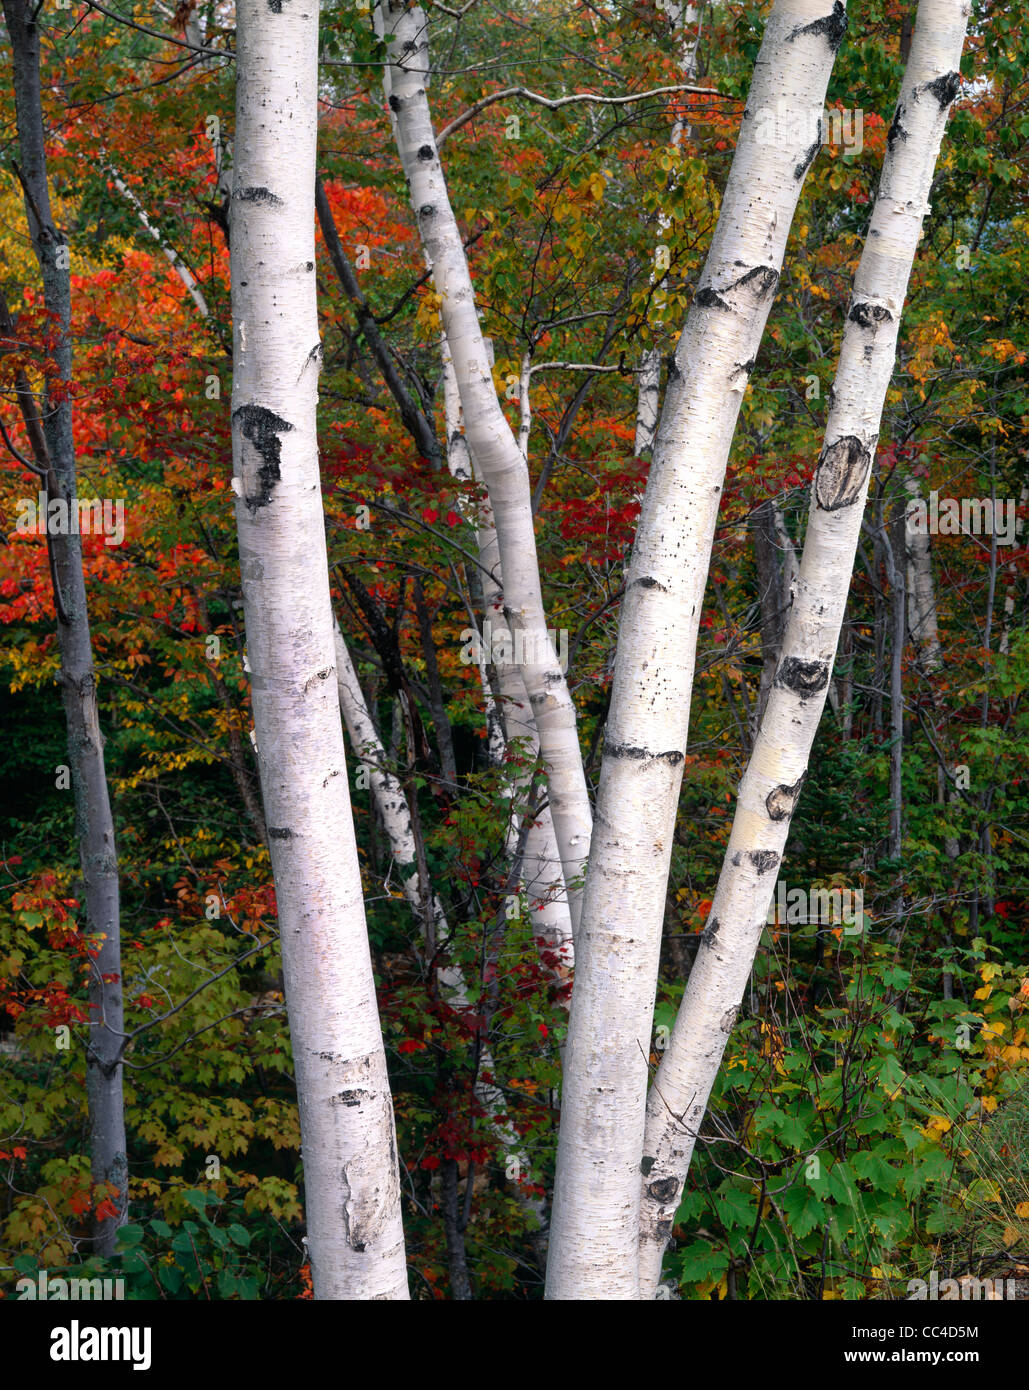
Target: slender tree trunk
{"points": [[776, 563], [772, 783], [493, 447], [351, 1173], [895, 549], [542, 873], [395, 813], [1012, 574], [684, 17], [596, 1200], [94, 824], [921, 592]]}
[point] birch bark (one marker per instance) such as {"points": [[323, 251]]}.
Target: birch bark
{"points": [[429, 913], [772, 783], [683, 18], [94, 823], [351, 1172], [542, 874], [596, 1204], [493, 447]]}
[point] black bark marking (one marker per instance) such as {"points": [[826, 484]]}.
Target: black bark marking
{"points": [[664, 1190], [426, 152], [782, 801], [710, 932], [841, 473], [639, 755], [394, 103], [833, 26], [944, 89], [896, 131], [763, 860], [763, 279], [736, 861], [646, 1163], [426, 210], [729, 1018], [276, 832], [809, 155], [649, 582], [261, 428], [259, 195], [351, 1097], [869, 315], [708, 298], [804, 678], [275, 6]]}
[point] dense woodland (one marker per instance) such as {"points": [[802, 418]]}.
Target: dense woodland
{"points": [[854, 994]]}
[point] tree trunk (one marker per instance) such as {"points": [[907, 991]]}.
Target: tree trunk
{"points": [[596, 1200], [351, 1174], [921, 592], [493, 447], [771, 785], [94, 824]]}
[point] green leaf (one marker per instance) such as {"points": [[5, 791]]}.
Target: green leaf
{"points": [[803, 1208], [239, 1234], [128, 1236]]}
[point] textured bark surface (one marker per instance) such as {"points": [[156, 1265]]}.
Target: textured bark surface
{"points": [[774, 777], [94, 824], [511, 718], [351, 1173], [596, 1202], [493, 447], [921, 591]]}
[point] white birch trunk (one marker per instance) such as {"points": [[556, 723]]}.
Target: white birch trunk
{"points": [[1012, 586], [771, 785], [171, 255], [493, 447], [596, 1204], [542, 875], [391, 801], [351, 1173], [683, 17]]}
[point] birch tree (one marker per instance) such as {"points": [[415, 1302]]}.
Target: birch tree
{"points": [[351, 1174], [94, 823], [772, 783], [493, 446], [541, 873], [596, 1199]]}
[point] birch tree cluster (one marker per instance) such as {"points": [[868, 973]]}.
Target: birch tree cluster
{"points": [[528, 801]]}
